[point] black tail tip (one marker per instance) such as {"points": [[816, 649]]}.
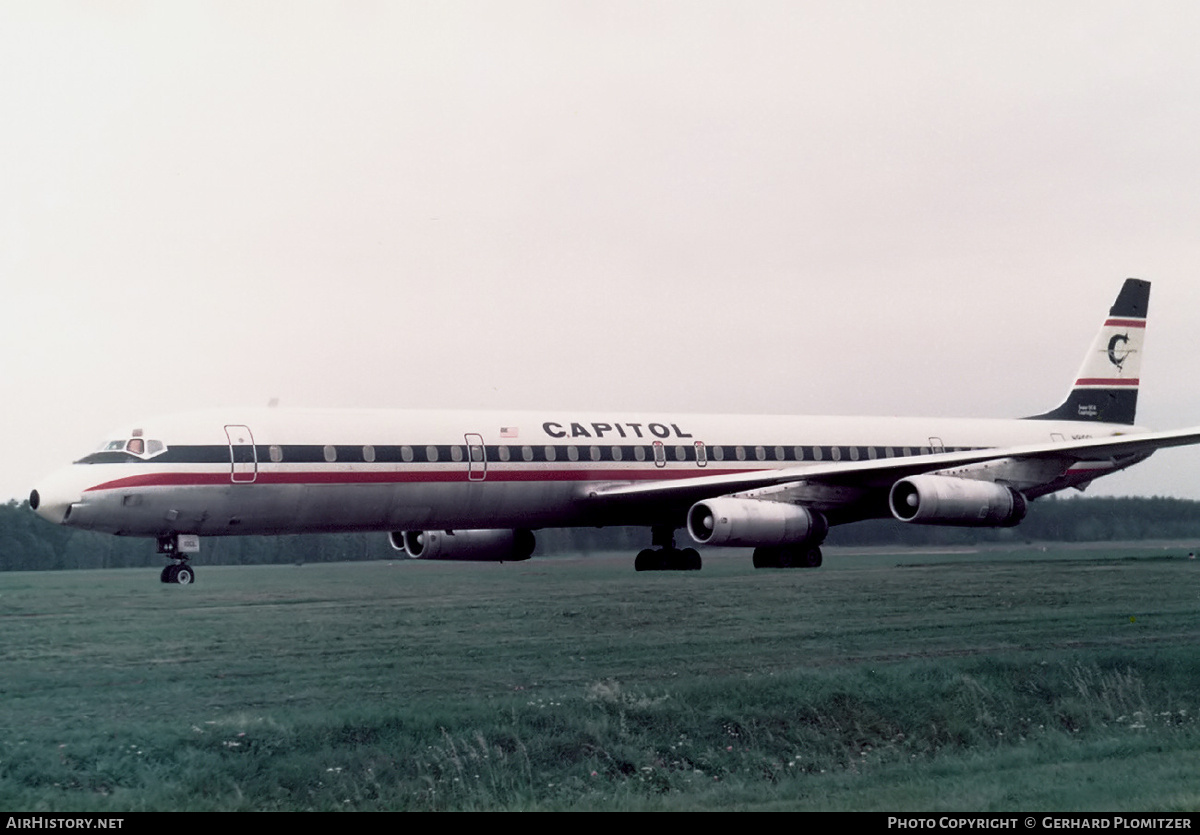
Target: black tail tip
{"points": [[1133, 301]]}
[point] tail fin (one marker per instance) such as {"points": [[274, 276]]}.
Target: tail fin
{"points": [[1106, 387]]}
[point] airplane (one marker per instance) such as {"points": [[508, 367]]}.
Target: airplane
{"points": [[476, 485]]}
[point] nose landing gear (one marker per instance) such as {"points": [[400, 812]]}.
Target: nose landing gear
{"points": [[177, 548], [179, 572]]}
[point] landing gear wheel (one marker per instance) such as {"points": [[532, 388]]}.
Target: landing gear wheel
{"points": [[812, 558], [787, 556], [178, 572], [668, 559], [765, 557], [646, 560], [665, 556], [690, 559]]}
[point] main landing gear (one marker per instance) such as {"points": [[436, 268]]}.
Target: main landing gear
{"points": [[666, 557], [787, 556], [178, 571]]}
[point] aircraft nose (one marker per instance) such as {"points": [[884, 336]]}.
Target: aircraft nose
{"points": [[52, 500]]}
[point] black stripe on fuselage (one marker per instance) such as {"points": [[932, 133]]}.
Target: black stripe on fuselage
{"points": [[511, 454]]}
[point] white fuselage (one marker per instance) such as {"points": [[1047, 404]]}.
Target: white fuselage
{"points": [[282, 471]]}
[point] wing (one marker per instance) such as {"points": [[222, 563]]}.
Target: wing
{"points": [[1102, 454]]}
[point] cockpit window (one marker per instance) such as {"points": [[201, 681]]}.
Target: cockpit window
{"points": [[145, 447], [121, 450]]}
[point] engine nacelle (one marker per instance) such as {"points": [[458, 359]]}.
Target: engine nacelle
{"points": [[945, 500], [754, 522], [479, 546]]}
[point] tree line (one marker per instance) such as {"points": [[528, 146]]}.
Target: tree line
{"points": [[29, 543]]}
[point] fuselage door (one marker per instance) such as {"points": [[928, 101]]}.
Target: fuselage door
{"points": [[243, 460], [476, 457]]}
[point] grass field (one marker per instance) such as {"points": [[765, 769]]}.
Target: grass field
{"points": [[1004, 680]]}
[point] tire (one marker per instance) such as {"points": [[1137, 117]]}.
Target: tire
{"points": [[812, 557], [185, 576], [763, 558]]}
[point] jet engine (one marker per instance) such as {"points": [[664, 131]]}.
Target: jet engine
{"points": [[754, 522], [477, 546], [945, 500]]}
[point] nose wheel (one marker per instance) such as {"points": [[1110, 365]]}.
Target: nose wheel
{"points": [[178, 570]]}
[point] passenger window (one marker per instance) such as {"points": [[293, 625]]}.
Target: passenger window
{"points": [[276, 453], [368, 453], [330, 453]]}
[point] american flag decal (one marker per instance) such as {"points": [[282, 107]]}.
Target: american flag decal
{"points": [[508, 432]]}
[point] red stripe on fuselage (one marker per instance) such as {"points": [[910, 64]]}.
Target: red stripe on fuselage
{"points": [[423, 477], [1125, 323]]}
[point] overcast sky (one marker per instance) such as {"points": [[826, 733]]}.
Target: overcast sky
{"points": [[822, 208]]}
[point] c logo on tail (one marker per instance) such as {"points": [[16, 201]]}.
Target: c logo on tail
{"points": [[1118, 355]]}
